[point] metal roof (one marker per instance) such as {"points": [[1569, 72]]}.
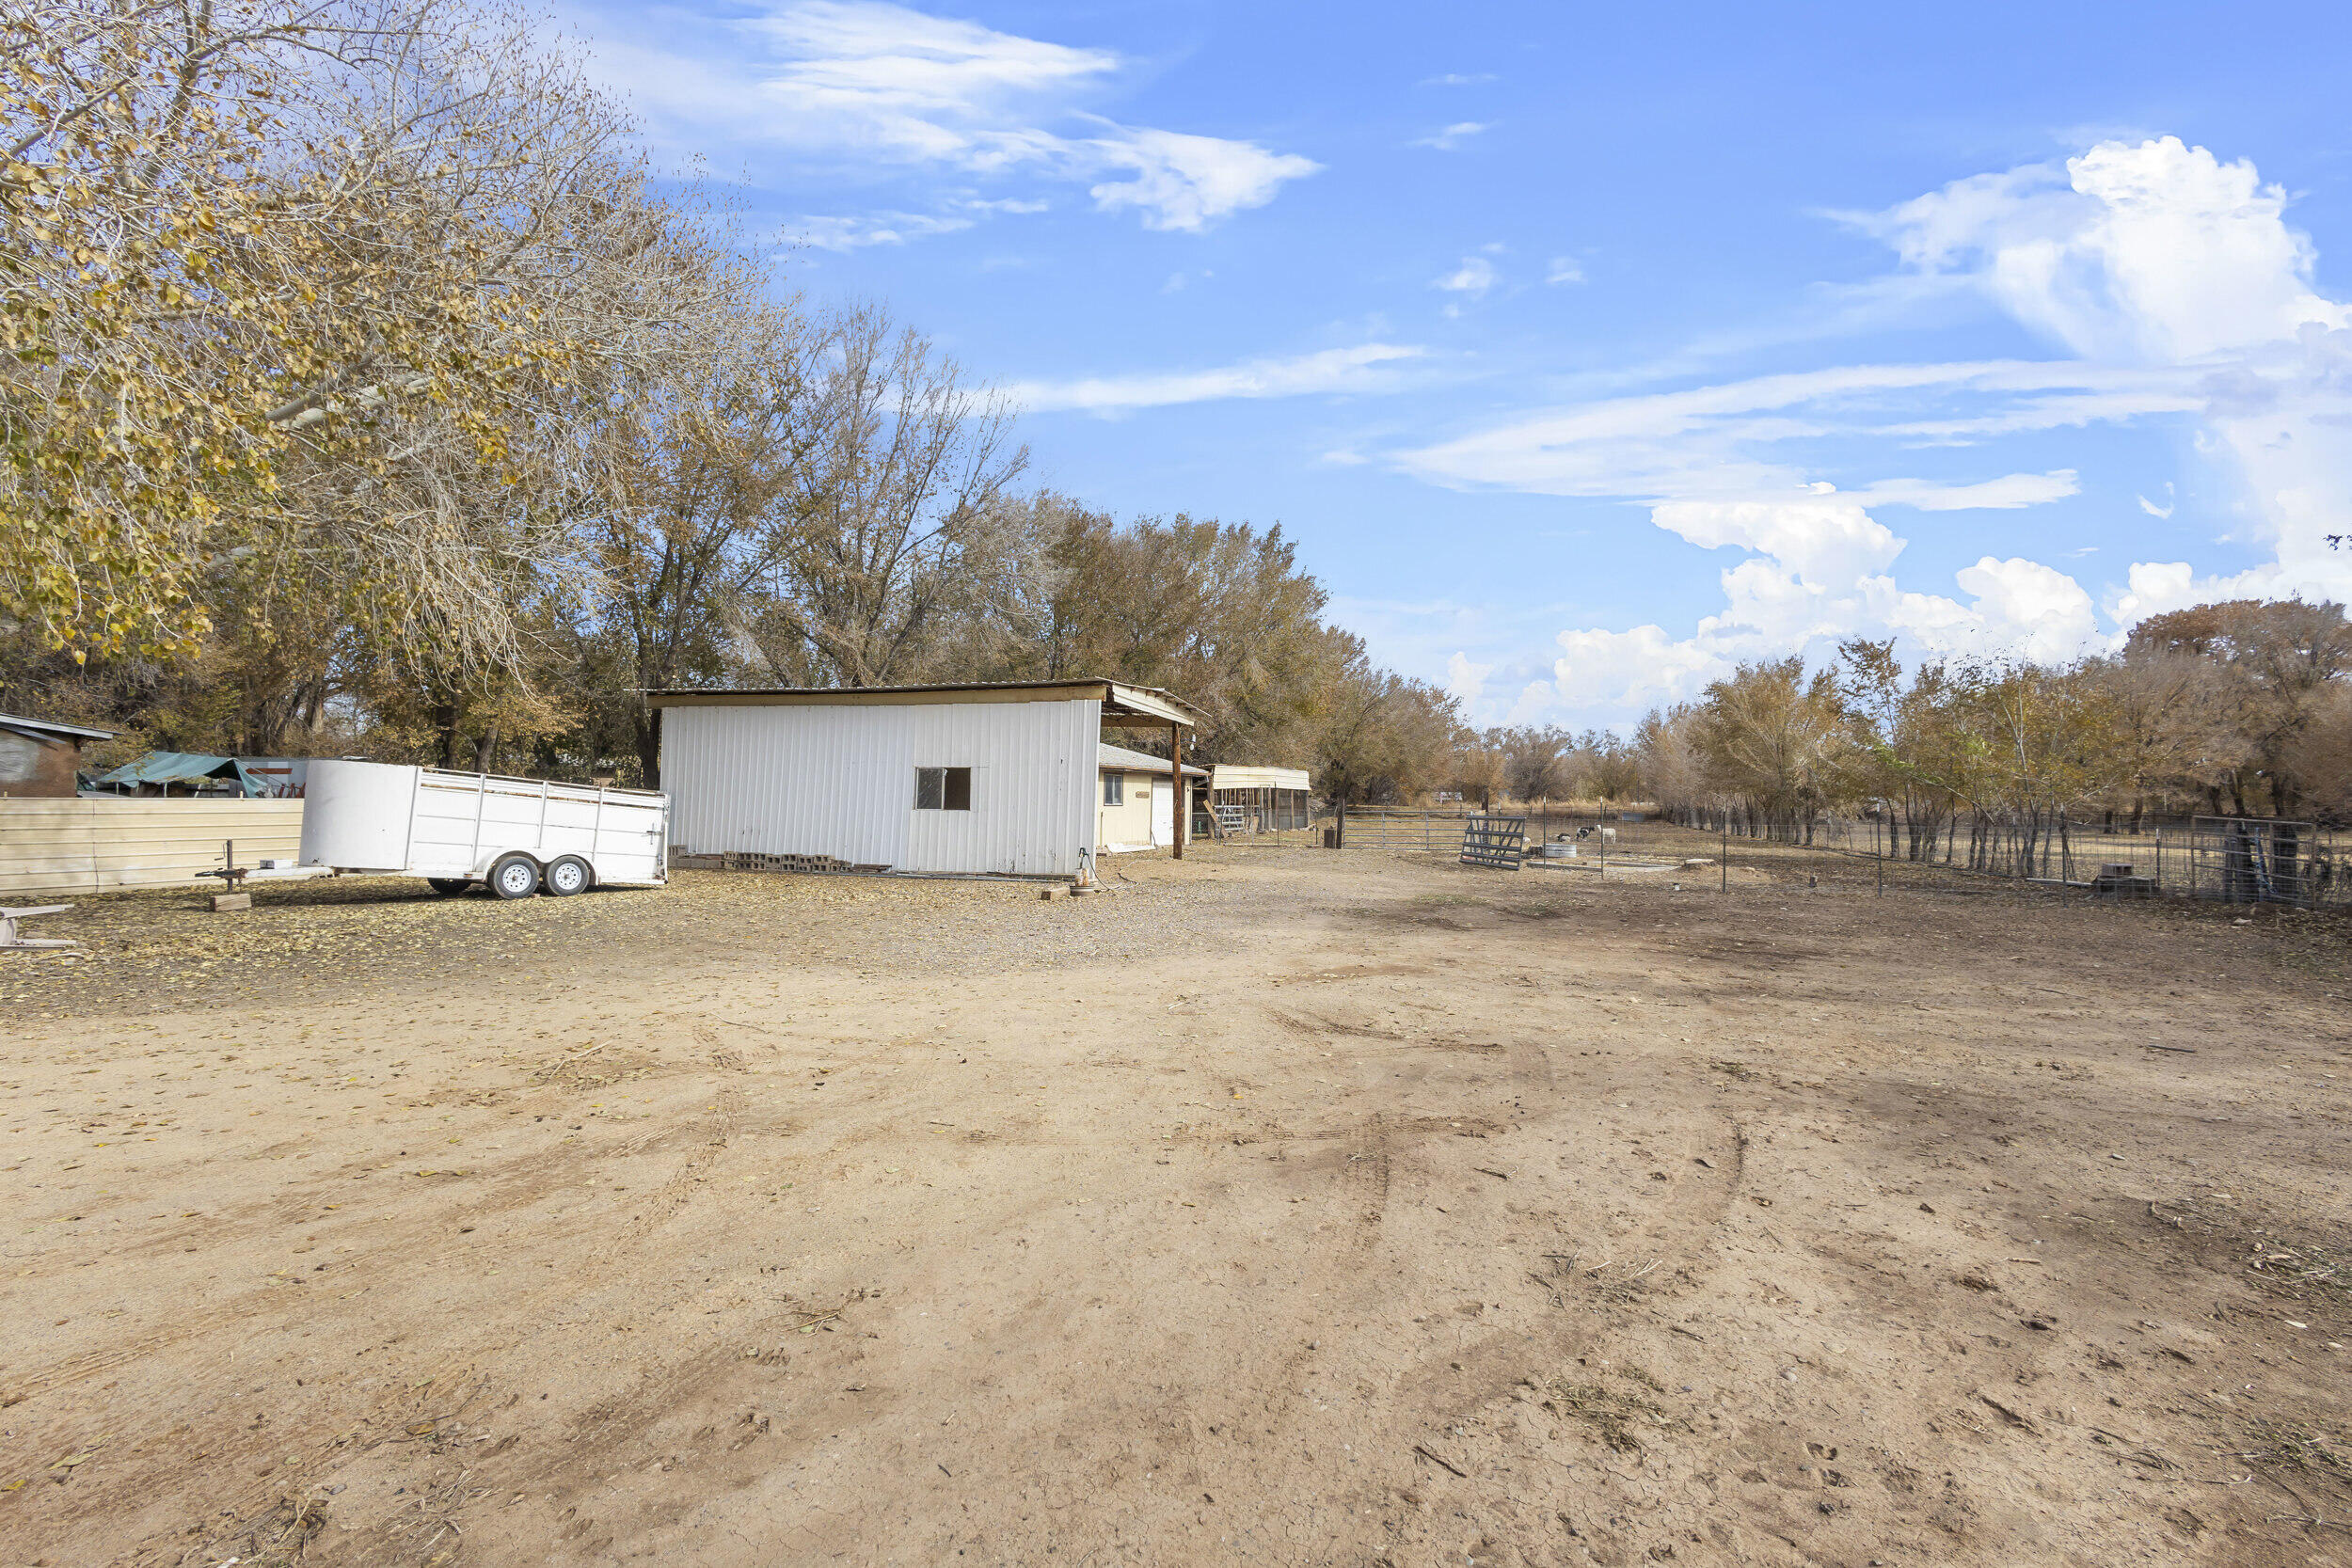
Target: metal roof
{"points": [[1242, 776], [1108, 755], [1120, 700], [45, 726]]}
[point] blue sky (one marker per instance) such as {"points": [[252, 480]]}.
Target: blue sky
{"points": [[1589, 349]]}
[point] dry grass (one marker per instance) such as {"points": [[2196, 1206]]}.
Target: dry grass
{"points": [[1613, 1415]]}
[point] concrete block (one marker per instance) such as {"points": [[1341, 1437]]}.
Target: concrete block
{"points": [[224, 902]]}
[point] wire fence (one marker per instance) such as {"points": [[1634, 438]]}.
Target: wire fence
{"points": [[2229, 859]]}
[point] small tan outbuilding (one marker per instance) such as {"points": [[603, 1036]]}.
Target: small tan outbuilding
{"points": [[1136, 808]]}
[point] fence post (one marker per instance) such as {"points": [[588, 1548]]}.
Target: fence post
{"points": [[1723, 862], [1339, 831]]}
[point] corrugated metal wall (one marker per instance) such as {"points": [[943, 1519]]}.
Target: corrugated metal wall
{"points": [[840, 781], [97, 846]]}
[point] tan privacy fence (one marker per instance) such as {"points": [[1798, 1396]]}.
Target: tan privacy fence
{"points": [[98, 845]]}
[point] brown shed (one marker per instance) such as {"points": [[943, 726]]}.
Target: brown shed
{"points": [[39, 759]]}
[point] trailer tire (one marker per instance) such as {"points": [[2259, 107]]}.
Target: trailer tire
{"points": [[449, 887], [515, 875], [565, 876]]}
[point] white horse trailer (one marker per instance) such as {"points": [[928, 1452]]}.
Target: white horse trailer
{"points": [[519, 836]]}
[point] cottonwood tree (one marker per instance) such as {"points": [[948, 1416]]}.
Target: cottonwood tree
{"points": [[294, 294], [2275, 662], [902, 467], [1774, 738], [1385, 739], [690, 460]]}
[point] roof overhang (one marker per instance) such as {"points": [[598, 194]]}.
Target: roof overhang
{"points": [[1122, 704], [1146, 704], [40, 727], [1118, 759]]}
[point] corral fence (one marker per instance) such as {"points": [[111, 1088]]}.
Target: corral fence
{"points": [[2229, 859]]}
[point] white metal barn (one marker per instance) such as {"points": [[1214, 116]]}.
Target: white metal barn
{"points": [[978, 779]]}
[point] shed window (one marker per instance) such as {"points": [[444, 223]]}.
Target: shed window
{"points": [[943, 790], [1114, 789]]}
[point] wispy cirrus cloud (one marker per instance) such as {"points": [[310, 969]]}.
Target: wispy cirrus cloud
{"points": [[1365, 367], [1453, 137], [1726, 439], [863, 83], [1471, 279], [854, 231]]}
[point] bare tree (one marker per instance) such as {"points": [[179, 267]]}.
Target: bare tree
{"points": [[902, 471], [693, 464]]}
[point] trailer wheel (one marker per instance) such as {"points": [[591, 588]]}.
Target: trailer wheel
{"points": [[449, 887], [515, 875], [566, 876]]}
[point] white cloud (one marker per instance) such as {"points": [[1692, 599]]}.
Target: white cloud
{"points": [[853, 231], [1465, 680], [1830, 542], [1454, 137], [1453, 79], [2156, 253], [850, 232], [1474, 277], [1362, 369], [1563, 269], [2153, 509], [1187, 183], [863, 81], [897, 82], [1817, 573], [2005, 494], [1713, 439], [2172, 279], [2160, 255], [1628, 671]]}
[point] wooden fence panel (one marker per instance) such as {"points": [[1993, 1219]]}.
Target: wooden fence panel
{"points": [[98, 846]]}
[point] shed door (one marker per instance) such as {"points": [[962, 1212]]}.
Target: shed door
{"points": [[1163, 812]]}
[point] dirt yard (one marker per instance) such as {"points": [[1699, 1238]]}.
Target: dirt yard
{"points": [[1278, 1207]]}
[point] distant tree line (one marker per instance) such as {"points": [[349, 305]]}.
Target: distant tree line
{"points": [[2239, 708], [364, 391]]}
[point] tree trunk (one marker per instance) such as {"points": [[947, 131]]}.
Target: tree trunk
{"points": [[445, 725], [648, 728]]}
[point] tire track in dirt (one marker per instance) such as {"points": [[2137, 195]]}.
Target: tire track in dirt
{"points": [[720, 1122], [1368, 1171]]}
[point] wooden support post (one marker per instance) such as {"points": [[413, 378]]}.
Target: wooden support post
{"points": [[1176, 773]]}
